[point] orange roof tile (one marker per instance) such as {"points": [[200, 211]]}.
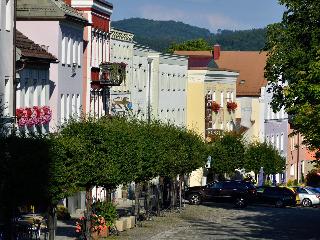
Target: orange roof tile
{"points": [[250, 65]]}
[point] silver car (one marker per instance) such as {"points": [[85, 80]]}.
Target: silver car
{"points": [[308, 196]]}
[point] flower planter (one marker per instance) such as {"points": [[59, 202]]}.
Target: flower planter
{"points": [[100, 235], [130, 222], [232, 106], [121, 225]]}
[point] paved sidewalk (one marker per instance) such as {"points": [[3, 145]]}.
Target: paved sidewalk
{"points": [[66, 230]]}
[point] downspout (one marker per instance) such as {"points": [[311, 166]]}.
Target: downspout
{"points": [[149, 90], [14, 81]]}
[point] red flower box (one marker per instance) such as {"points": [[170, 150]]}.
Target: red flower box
{"points": [[215, 107], [231, 106]]}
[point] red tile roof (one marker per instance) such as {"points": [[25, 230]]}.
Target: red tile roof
{"points": [[29, 49], [250, 65]]}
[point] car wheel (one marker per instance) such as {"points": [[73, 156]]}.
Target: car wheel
{"points": [[279, 203], [195, 199], [240, 202], [306, 202]]}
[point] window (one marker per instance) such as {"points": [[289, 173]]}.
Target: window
{"points": [[221, 99], [214, 96], [43, 93], [63, 50], [228, 97], [232, 97], [74, 107], [272, 140], [36, 93], [230, 185], [292, 170], [79, 53], [74, 52], [281, 141], [27, 93], [267, 139], [9, 18], [268, 111], [69, 51], [68, 107], [62, 109], [6, 96], [277, 142], [78, 105]]}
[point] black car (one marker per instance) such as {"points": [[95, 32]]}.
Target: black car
{"points": [[278, 196], [238, 192]]}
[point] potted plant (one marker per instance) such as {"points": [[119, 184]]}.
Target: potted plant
{"points": [[104, 216], [215, 107], [232, 106]]}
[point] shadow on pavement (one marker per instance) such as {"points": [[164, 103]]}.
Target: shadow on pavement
{"points": [[261, 222]]}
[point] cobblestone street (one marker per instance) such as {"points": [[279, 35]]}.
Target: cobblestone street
{"points": [[224, 222]]}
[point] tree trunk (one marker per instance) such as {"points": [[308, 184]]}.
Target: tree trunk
{"points": [[180, 191], [147, 200], [88, 212], [136, 198], [52, 221]]}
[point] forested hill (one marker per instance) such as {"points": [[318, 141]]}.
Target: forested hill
{"points": [[160, 34]]}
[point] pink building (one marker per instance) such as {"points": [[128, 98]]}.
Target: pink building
{"points": [[299, 161], [96, 38]]}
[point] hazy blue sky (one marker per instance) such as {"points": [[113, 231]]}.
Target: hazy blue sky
{"points": [[211, 14]]}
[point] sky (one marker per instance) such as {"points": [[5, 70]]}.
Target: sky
{"points": [[210, 14]]}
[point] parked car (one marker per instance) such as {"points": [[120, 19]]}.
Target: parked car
{"points": [[238, 192], [278, 196], [308, 196]]}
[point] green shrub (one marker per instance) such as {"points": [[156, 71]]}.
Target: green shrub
{"points": [[289, 183], [107, 210], [62, 213]]}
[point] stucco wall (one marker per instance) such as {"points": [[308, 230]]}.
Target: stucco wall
{"points": [[6, 60], [65, 78]]}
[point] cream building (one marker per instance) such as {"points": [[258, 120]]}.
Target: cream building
{"points": [[206, 87], [122, 52]]}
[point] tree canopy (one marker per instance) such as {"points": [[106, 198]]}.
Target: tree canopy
{"points": [[227, 152], [190, 45], [264, 155], [293, 66]]}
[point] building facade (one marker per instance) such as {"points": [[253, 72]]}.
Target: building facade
{"points": [[172, 89], [251, 106], [122, 52], [6, 59], [96, 38], [58, 27], [276, 130], [33, 112]]}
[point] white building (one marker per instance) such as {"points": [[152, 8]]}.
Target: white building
{"points": [[122, 52], [6, 57], [159, 86], [172, 96]]}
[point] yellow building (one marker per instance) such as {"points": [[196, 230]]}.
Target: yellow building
{"points": [[209, 92]]}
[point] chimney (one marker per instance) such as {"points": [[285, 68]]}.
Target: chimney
{"points": [[68, 2], [216, 52]]}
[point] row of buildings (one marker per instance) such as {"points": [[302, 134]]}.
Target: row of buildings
{"points": [[60, 59]]}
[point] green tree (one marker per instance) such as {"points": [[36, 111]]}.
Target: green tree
{"points": [[259, 155], [190, 45], [293, 66], [227, 152]]}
